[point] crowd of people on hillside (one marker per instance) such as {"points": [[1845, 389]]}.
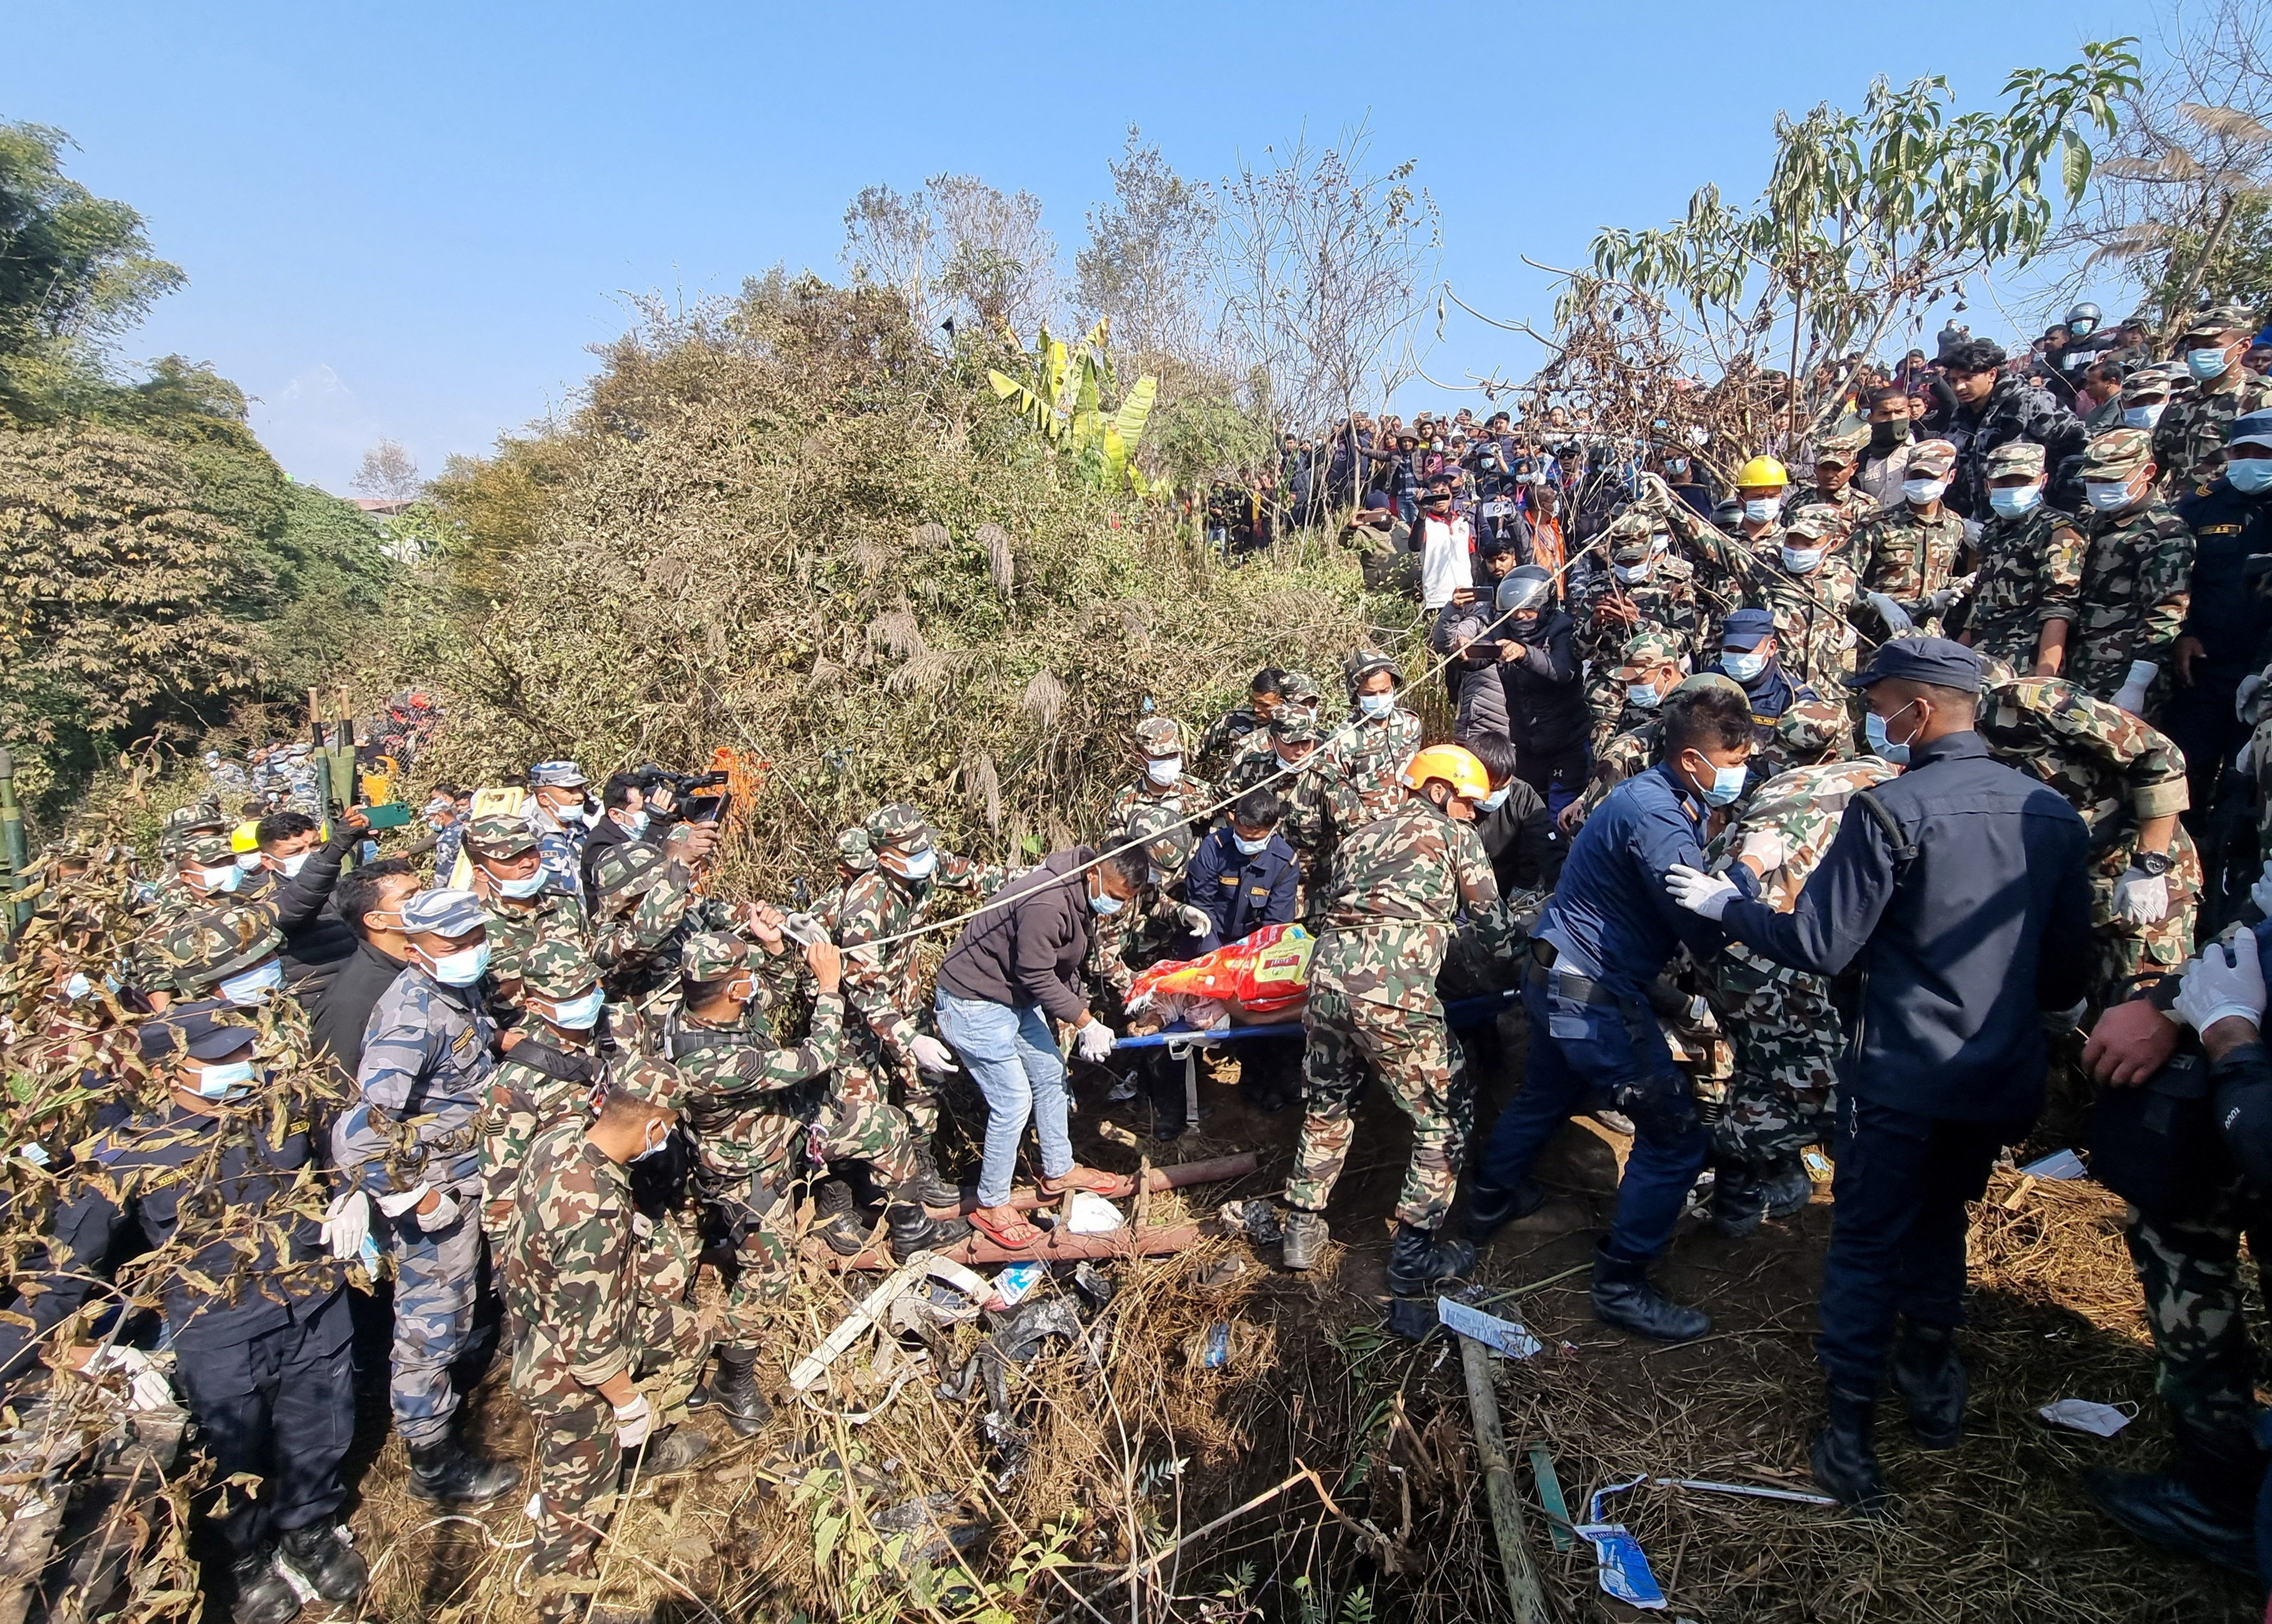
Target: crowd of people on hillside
{"points": [[1809, 822]]}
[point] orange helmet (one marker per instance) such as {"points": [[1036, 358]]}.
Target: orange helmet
{"points": [[1455, 765]]}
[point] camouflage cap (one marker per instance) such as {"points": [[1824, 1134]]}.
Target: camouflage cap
{"points": [[898, 824], [1295, 727], [627, 868], [443, 912], [2153, 383], [2221, 319], [713, 955], [1646, 649], [208, 850], [1362, 663], [1931, 459], [1815, 724], [556, 969], [1166, 837], [1711, 679], [1843, 444], [1299, 688], [1634, 524], [2118, 454], [556, 775], [2016, 457], [1994, 672], [185, 823], [655, 1082], [1815, 522], [215, 943], [499, 834], [853, 851], [1159, 736]]}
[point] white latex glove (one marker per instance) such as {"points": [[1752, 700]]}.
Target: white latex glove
{"points": [[2244, 694], [930, 1054], [146, 1387], [1698, 891], [2131, 696], [2226, 980], [1765, 849], [2142, 898], [445, 1214], [2260, 893], [1972, 531], [1094, 1041], [346, 1224], [1896, 618], [395, 1206], [633, 1421], [1196, 919]]}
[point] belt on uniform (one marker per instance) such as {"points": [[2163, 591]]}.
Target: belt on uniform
{"points": [[1570, 985]]}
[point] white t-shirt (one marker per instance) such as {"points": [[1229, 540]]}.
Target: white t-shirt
{"points": [[1447, 562]]}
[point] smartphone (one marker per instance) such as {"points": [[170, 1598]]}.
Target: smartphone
{"points": [[704, 808], [388, 815]]}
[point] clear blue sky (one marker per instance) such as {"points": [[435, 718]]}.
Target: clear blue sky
{"points": [[410, 219]]}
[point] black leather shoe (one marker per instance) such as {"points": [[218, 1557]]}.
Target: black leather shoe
{"points": [[913, 1231], [1930, 1378], [445, 1474], [1623, 1298], [1845, 1455], [263, 1595], [836, 1220], [2161, 1508], [1739, 1202], [332, 1566], [931, 1188], [1417, 1260], [1305, 1236], [1787, 1187], [1490, 1209], [733, 1393]]}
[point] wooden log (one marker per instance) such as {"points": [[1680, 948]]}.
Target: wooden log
{"points": [[1211, 1172], [1522, 1589]]}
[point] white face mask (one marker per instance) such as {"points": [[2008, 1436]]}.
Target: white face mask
{"points": [[253, 986], [1164, 770], [290, 866], [462, 968], [1629, 573], [78, 987], [1376, 705], [2108, 496], [1922, 491], [227, 1081], [249, 861], [1762, 510], [2013, 501], [638, 822], [578, 1014], [220, 881], [1801, 560], [526, 886], [2143, 416], [1744, 667], [654, 1146], [1496, 799], [1642, 695]]}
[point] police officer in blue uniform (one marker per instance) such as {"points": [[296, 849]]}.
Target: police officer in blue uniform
{"points": [[1959, 889], [1603, 939], [265, 1361], [1245, 876], [2223, 639]]}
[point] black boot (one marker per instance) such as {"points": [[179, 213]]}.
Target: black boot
{"points": [[2164, 1508], [1787, 1187], [932, 1189], [1623, 1298], [1304, 1237], [1490, 1209], [1845, 1454], [734, 1392], [1417, 1260], [1931, 1380], [332, 1566], [263, 1595], [835, 1219], [913, 1231], [667, 1452], [445, 1474], [1739, 1202]]}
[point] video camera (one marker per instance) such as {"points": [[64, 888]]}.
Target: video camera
{"points": [[695, 797]]}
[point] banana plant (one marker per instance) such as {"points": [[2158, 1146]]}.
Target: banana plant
{"points": [[1063, 398]]}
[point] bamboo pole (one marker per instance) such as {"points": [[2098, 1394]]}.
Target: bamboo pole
{"points": [[1522, 1589]]}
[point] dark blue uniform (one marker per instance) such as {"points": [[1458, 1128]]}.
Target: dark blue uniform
{"points": [[263, 1355], [1610, 927], [2230, 619], [1979, 923], [1241, 893]]}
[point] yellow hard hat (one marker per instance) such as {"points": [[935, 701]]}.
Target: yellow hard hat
{"points": [[245, 836], [1454, 765], [1760, 473]]}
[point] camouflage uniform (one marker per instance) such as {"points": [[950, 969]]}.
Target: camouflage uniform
{"points": [[518, 927], [2117, 772], [883, 985], [421, 1088], [1815, 633], [1366, 754], [162, 960], [1665, 605], [1189, 796], [1402, 881], [2190, 439], [549, 1074], [1781, 1022], [2137, 581], [1908, 557], [227, 783], [2031, 570], [1854, 505], [647, 907], [584, 1310], [288, 778]]}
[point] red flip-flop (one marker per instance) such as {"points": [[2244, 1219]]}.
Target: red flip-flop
{"points": [[1015, 1236]]}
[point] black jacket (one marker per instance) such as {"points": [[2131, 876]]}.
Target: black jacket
{"points": [[1981, 923], [1546, 709], [2015, 409], [343, 1008], [316, 941], [1525, 849]]}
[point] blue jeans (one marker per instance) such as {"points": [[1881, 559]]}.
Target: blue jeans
{"points": [[1014, 1056], [1581, 1051]]}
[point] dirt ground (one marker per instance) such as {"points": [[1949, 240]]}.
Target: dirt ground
{"points": [[1997, 1530]]}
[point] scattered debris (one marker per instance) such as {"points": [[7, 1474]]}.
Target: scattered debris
{"points": [[1258, 1220], [2062, 1163], [1620, 1566], [1549, 1486], [1090, 1214], [2087, 1416], [1505, 1336]]}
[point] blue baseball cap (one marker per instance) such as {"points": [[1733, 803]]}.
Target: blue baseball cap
{"points": [[1934, 660], [1746, 629]]}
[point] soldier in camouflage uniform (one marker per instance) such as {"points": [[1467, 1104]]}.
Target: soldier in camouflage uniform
{"points": [[883, 1044], [1366, 754], [412, 1141], [523, 913], [1401, 883], [227, 952], [2128, 783], [1781, 1022], [1810, 594], [1236, 726], [647, 903], [1836, 455], [1906, 555], [854, 856], [1159, 746], [1646, 591], [602, 1362], [206, 877], [2137, 578], [2189, 441], [552, 1070], [1651, 666], [2025, 599]]}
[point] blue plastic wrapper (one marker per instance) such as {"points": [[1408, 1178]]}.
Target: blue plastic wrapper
{"points": [[1619, 1566]]}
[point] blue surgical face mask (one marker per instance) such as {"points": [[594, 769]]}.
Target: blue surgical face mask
{"points": [[1873, 729], [578, 1014], [1922, 491], [920, 864], [2143, 416], [1103, 903], [221, 881], [462, 968], [227, 1081], [78, 987], [1377, 705], [1762, 510], [254, 985], [2013, 501], [2108, 496], [1744, 667], [1727, 783], [638, 825], [1802, 560], [1496, 799], [2250, 475], [2206, 364], [1642, 695], [1250, 848], [526, 886]]}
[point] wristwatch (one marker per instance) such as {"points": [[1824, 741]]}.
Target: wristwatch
{"points": [[2152, 862]]}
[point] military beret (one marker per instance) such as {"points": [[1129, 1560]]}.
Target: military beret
{"points": [[197, 1030], [2251, 429], [213, 944], [441, 912], [556, 968], [1746, 629], [1931, 459], [655, 1082], [1164, 834], [1644, 650], [1934, 660], [556, 775], [1361, 663], [2118, 453], [897, 823], [1299, 688], [1843, 444], [1159, 736], [853, 851], [499, 834], [713, 956], [2016, 457], [627, 868], [2221, 319], [1814, 724], [1292, 725]]}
